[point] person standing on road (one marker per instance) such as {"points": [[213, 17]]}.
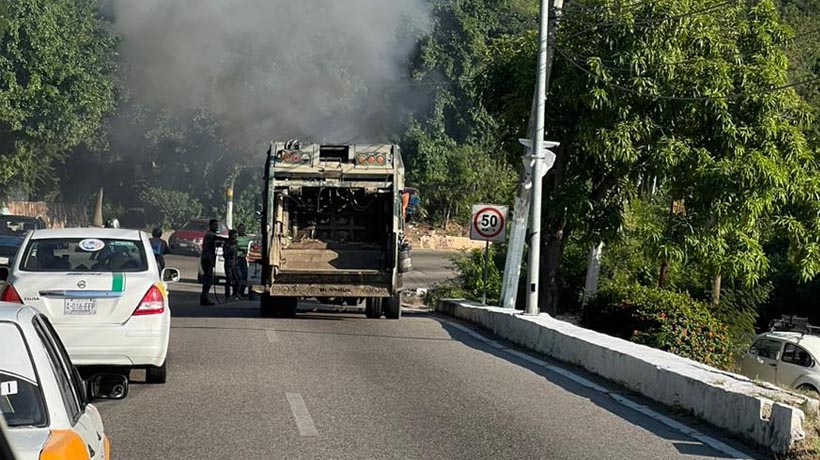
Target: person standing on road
{"points": [[160, 248], [229, 252], [208, 261], [243, 241]]}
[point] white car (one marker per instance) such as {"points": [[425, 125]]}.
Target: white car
{"points": [[43, 400], [103, 291], [784, 358]]}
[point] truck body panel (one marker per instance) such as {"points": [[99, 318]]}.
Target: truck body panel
{"points": [[332, 221]]}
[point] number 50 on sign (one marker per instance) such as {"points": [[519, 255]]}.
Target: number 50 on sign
{"points": [[489, 223]]}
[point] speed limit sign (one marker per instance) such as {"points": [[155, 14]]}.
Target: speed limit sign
{"points": [[489, 223]]}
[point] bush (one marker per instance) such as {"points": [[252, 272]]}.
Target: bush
{"points": [[661, 319], [470, 266]]}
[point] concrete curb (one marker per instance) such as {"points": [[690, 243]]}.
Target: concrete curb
{"points": [[768, 417]]}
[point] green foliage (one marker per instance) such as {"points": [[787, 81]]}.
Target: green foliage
{"points": [[470, 266], [661, 319], [56, 86], [453, 153], [171, 208], [453, 177], [245, 205]]}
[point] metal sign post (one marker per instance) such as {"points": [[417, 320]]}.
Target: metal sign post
{"points": [[489, 223]]}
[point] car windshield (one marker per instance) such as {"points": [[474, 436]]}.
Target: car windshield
{"points": [[198, 226], [84, 255], [21, 400]]}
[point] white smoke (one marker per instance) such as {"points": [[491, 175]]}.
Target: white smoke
{"points": [[324, 70]]}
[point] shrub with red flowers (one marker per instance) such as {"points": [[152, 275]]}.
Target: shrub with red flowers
{"points": [[662, 319]]}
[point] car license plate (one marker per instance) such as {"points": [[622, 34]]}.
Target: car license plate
{"points": [[80, 307]]}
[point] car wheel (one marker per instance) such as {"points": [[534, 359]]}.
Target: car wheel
{"points": [[157, 374], [808, 388]]}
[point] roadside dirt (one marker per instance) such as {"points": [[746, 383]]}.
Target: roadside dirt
{"points": [[423, 236]]}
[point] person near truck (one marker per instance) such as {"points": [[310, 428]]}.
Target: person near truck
{"points": [[160, 248], [230, 252], [243, 241], [207, 261]]}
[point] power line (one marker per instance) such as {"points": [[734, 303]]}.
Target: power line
{"points": [[681, 98]]}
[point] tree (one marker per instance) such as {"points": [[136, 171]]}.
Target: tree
{"points": [[454, 146], [56, 86], [684, 91]]}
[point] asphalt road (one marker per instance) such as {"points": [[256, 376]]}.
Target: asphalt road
{"points": [[339, 386]]}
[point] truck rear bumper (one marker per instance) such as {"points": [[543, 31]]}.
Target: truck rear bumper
{"points": [[329, 290]]}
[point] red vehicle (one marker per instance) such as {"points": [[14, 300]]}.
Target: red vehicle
{"points": [[188, 239]]}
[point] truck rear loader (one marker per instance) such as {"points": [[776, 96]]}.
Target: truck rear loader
{"points": [[332, 227]]}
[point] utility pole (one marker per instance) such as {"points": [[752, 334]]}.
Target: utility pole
{"points": [[539, 156], [229, 211], [521, 209]]}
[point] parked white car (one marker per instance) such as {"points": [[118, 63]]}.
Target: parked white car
{"points": [[43, 400], [788, 359], [102, 290]]}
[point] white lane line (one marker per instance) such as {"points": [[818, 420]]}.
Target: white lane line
{"points": [[626, 402], [272, 337], [301, 415]]}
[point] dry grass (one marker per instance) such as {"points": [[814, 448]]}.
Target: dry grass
{"points": [[809, 449]]}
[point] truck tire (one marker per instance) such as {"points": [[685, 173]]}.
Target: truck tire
{"points": [[373, 307], [267, 309], [289, 306], [270, 306], [392, 307]]}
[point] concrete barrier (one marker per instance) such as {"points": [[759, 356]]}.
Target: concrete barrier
{"points": [[765, 415]]}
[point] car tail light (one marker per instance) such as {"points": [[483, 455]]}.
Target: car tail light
{"points": [[152, 303], [10, 295]]}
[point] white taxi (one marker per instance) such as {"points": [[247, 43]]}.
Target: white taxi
{"points": [[43, 400], [103, 291]]}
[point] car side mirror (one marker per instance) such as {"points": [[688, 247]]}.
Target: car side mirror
{"points": [[170, 275], [107, 386], [4, 273]]}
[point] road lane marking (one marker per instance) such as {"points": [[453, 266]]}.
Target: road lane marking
{"points": [[300, 413], [719, 446], [272, 337]]}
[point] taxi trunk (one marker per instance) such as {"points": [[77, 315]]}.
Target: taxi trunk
{"points": [[101, 283], [85, 298]]}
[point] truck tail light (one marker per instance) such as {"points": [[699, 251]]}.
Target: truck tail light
{"points": [[152, 303], [11, 295], [380, 159]]}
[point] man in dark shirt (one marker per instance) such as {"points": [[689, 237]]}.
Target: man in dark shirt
{"points": [[160, 248], [208, 260]]}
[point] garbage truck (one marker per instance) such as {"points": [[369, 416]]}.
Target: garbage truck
{"points": [[332, 227]]}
